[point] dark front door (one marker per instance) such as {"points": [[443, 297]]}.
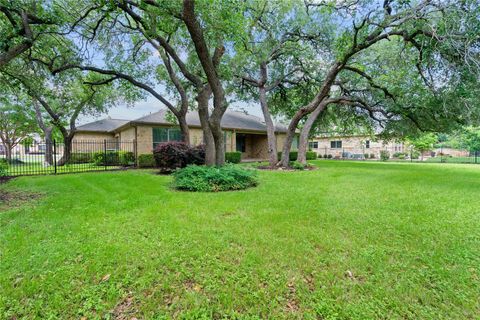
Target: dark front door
{"points": [[240, 142]]}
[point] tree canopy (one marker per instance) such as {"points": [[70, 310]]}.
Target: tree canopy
{"points": [[393, 67]]}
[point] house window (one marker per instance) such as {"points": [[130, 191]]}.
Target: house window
{"points": [[336, 144], [295, 143], [313, 145], [165, 134], [367, 144]]}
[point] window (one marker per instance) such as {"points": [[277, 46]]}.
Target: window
{"points": [[313, 145], [295, 143], [367, 144], [165, 134], [336, 144]]}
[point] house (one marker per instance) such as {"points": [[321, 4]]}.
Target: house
{"points": [[243, 132], [354, 146]]}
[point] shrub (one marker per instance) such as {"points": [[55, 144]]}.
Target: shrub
{"points": [[233, 157], [102, 158], [292, 156], [297, 165], [146, 161], [113, 158], [384, 155], [372, 155], [311, 155], [80, 157], [170, 156], [319, 156], [126, 158], [3, 167], [214, 179], [415, 154], [399, 155], [197, 155], [329, 156]]}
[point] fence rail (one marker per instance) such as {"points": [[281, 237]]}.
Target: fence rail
{"points": [[39, 158]]}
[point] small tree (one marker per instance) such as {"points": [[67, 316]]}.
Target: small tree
{"points": [[423, 143], [470, 139], [15, 125]]}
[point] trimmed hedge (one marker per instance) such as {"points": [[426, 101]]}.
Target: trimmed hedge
{"points": [[146, 161], [81, 157], [233, 157], [291, 157], [311, 155], [113, 158], [214, 179]]}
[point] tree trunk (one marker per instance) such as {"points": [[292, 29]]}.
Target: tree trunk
{"points": [[202, 100], [182, 121], [219, 140], [67, 150], [305, 133], [8, 152], [48, 146], [271, 138], [284, 162]]}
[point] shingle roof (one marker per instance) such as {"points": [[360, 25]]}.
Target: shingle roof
{"points": [[104, 125], [231, 120]]}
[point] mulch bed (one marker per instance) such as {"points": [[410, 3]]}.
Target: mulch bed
{"points": [[5, 179]]}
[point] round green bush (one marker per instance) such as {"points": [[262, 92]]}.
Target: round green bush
{"points": [[214, 179]]}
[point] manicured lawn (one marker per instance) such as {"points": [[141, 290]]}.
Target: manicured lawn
{"points": [[351, 240]]}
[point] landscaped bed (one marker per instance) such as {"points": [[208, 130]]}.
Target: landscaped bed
{"points": [[352, 240]]}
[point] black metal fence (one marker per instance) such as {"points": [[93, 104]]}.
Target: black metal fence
{"points": [[400, 154], [39, 158]]}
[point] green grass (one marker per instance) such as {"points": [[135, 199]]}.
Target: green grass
{"points": [[351, 240]]}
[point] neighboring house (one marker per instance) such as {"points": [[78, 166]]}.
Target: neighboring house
{"points": [[354, 146], [243, 132]]}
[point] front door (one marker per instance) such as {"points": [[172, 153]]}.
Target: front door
{"points": [[241, 142]]}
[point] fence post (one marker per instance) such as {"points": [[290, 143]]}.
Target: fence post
{"points": [[135, 146], [105, 153], [55, 155]]}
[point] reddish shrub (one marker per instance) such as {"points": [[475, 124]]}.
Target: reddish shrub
{"points": [[170, 156]]}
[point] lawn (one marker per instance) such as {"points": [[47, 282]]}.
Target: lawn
{"points": [[351, 240]]}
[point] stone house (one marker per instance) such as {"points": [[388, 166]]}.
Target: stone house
{"points": [[243, 132], [354, 146]]}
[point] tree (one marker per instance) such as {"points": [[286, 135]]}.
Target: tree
{"points": [[470, 139], [424, 142], [272, 56], [15, 124], [175, 29], [65, 97], [21, 25], [395, 23]]}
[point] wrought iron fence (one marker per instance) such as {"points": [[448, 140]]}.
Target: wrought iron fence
{"points": [[400, 154], [54, 157]]}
